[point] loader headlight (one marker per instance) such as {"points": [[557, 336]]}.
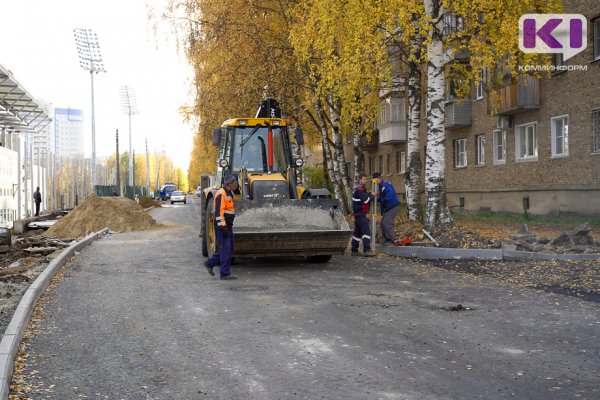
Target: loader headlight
{"points": [[299, 162], [223, 163]]}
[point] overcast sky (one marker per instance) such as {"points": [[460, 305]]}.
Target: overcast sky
{"points": [[37, 45]]}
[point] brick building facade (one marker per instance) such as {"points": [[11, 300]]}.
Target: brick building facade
{"points": [[540, 153]]}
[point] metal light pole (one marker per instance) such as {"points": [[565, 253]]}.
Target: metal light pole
{"points": [[147, 170], [129, 106], [118, 162], [90, 59]]}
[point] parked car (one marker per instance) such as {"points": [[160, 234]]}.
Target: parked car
{"points": [[178, 196]]}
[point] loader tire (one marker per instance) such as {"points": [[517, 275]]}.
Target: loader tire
{"points": [[209, 233], [319, 259], [203, 228]]}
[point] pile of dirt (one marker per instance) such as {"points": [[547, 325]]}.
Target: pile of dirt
{"points": [[148, 202], [120, 214]]}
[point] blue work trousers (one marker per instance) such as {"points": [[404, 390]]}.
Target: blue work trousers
{"points": [[362, 232], [222, 257]]}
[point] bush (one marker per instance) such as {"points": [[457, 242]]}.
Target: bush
{"points": [[313, 177]]}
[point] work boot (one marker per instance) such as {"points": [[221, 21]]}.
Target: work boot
{"points": [[228, 277], [368, 254], [209, 269], [355, 254]]}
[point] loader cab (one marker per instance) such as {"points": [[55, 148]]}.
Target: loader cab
{"points": [[257, 149], [262, 147]]}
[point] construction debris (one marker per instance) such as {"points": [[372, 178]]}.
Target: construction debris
{"points": [[42, 224], [430, 237], [578, 240], [40, 250]]}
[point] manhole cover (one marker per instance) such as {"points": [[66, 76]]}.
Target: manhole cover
{"points": [[248, 288]]}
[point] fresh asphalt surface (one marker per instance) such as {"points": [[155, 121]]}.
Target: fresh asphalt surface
{"points": [[136, 317]]}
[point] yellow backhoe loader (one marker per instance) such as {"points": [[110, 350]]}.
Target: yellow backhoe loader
{"points": [[274, 215]]}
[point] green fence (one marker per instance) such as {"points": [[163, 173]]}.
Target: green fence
{"points": [[128, 191]]}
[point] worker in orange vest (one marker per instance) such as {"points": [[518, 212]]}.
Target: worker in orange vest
{"points": [[224, 213]]}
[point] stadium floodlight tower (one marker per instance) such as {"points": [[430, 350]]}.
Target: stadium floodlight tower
{"points": [[129, 106], [90, 59]]}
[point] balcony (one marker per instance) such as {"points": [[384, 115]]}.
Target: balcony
{"points": [[369, 143], [392, 133], [458, 114], [516, 98], [457, 56]]}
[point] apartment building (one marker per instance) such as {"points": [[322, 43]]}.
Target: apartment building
{"points": [[68, 132], [539, 152]]}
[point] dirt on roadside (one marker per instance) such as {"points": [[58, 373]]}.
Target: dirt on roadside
{"points": [[148, 202], [120, 214]]}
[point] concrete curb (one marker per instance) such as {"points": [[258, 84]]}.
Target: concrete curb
{"points": [[9, 346], [477, 254]]}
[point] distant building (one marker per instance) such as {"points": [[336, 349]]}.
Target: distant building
{"points": [[68, 132], [42, 142]]}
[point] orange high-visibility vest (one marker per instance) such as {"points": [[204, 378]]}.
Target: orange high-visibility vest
{"points": [[224, 209]]}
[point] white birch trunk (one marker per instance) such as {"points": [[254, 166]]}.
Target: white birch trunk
{"points": [[358, 157], [412, 178], [437, 214], [339, 158], [328, 159], [299, 153]]}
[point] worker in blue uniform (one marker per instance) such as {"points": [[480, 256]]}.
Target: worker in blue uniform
{"points": [[390, 205]]}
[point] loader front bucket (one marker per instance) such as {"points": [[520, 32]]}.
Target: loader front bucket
{"points": [[311, 227]]}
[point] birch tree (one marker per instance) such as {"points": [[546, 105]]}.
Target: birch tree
{"points": [[437, 212], [339, 43], [406, 27], [233, 62], [487, 30], [412, 178]]}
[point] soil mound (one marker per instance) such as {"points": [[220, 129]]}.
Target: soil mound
{"points": [[148, 202], [96, 213]]}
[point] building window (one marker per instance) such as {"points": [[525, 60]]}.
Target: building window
{"points": [[597, 39], [388, 163], [452, 23], [499, 140], [560, 135], [400, 162], [380, 170], [526, 142], [480, 149], [450, 89], [596, 131], [372, 165], [480, 89], [392, 110], [460, 153]]}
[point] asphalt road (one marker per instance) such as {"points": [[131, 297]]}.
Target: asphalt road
{"points": [[136, 317]]}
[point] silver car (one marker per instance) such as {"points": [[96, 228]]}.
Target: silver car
{"points": [[178, 196]]}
